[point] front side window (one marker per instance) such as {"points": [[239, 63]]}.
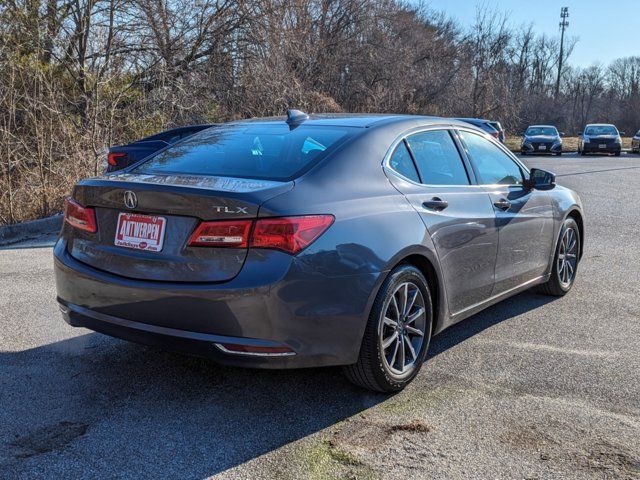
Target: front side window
{"points": [[402, 163], [437, 158], [494, 166], [269, 152]]}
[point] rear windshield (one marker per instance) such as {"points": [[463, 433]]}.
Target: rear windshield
{"points": [[535, 131], [270, 152], [601, 130]]}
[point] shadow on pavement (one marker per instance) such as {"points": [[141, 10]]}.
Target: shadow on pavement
{"points": [[500, 312], [94, 406]]}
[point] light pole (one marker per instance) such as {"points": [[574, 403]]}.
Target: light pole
{"points": [[564, 14]]}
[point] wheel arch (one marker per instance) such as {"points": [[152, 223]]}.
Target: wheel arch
{"points": [[427, 268], [577, 217]]}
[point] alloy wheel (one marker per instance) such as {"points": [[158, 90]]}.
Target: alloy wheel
{"points": [[402, 329], [567, 257]]}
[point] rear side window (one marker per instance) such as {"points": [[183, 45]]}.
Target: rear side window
{"points": [[437, 158], [271, 152], [494, 166], [402, 163]]}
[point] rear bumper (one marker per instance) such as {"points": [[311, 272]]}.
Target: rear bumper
{"points": [[273, 302]]}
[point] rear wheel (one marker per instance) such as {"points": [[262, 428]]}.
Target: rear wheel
{"points": [[617, 154], [397, 335], [565, 261]]}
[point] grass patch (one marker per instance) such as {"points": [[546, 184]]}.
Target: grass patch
{"points": [[325, 460]]}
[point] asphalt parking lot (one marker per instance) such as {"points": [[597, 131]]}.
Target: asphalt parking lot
{"points": [[534, 387]]}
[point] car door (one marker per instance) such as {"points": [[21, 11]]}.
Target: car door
{"points": [[524, 216], [457, 214]]}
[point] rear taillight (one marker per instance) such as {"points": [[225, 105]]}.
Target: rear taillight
{"points": [[228, 233], [289, 234], [82, 218], [113, 157]]}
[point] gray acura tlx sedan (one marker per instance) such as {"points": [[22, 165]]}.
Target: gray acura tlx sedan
{"points": [[314, 240]]}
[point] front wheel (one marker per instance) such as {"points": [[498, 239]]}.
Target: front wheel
{"points": [[565, 261], [397, 335]]}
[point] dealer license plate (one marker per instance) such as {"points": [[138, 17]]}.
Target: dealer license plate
{"points": [[142, 232]]}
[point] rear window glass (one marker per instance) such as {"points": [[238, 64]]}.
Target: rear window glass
{"points": [[271, 152]]}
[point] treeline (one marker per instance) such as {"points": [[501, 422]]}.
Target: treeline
{"points": [[79, 75]]}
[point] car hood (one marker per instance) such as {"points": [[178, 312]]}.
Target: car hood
{"points": [[603, 137], [541, 138]]}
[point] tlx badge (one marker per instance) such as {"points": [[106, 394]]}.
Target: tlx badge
{"points": [[225, 209]]}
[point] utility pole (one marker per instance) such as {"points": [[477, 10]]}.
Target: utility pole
{"points": [[564, 14]]}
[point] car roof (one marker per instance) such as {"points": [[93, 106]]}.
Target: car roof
{"points": [[600, 125], [363, 120], [476, 120], [541, 126]]}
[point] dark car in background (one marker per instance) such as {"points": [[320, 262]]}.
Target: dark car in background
{"points": [[121, 156], [492, 127], [541, 139], [316, 240], [635, 143], [600, 138]]}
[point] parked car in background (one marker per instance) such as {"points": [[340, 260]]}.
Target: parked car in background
{"points": [[122, 156], [635, 143], [541, 139], [492, 127], [314, 241], [600, 138]]}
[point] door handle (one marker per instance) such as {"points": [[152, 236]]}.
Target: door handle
{"points": [[436, 204], [502, 204]]}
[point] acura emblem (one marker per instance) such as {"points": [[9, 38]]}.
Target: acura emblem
{"points": [[130, 199]]}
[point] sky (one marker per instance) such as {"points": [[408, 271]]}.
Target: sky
{"points": [[605, 30]]}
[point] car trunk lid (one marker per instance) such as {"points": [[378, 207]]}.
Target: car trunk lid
{"points": [[171, 207]]}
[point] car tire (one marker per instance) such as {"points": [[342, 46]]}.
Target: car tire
{"points": [[617, 154], [558, 154], [385, 370], [565, 261]]}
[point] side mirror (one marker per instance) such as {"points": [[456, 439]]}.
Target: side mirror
{"points": [[562, 134], [580, 134], [540, 180], [622, 133]]}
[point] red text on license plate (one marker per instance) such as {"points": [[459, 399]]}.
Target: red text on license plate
{"points": [[143, 232]]}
